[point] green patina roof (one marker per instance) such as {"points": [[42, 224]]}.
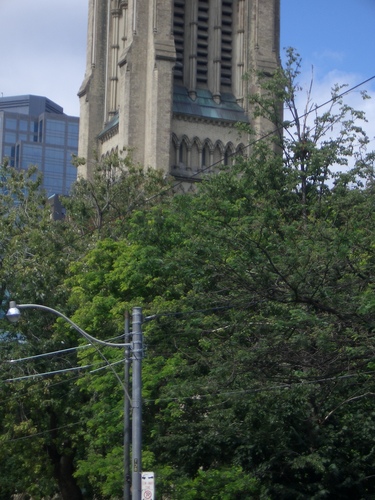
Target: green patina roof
{"points": [[202, 107], [111, 124], [205, 107]]}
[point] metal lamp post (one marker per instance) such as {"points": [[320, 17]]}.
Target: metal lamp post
{"points": [[136, 346]]}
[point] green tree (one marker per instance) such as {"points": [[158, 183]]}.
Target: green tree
{"points": [[43, 423], [272, 374], [35, 251], [291, 257], [259, 367], [116, 187]]}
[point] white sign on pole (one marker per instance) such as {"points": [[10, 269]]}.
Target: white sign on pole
{"points": [[148, 486]]}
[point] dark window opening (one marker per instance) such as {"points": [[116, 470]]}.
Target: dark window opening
{"points": [[179, 34], [226, 43], [202, 42]]}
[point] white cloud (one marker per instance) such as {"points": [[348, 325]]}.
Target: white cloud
{"points": [[321, 93], [330, 56], [42, 49]]}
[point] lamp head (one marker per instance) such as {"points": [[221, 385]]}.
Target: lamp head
{"points": [[13, 314]]}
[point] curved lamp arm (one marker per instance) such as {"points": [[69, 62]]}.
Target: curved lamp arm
{"points": [[14, 314]]}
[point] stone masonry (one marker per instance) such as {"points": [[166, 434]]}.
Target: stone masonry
{"points": [[165, 79]]}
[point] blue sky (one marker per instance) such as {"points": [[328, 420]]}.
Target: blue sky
{"points": [[331, 35], [336, 41], [43, 45]]}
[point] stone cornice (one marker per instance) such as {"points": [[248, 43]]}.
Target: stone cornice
{"points": [[198, 119], [84, 87], [108, 134]]}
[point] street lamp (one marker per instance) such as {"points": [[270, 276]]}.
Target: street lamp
{"points": [[136, 346]]}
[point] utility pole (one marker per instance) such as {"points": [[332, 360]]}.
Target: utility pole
{"points": [[137, 350], [14, 314], [127, 477]]}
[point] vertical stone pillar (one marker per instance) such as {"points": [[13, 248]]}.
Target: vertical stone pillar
{"points": [[215, 30], [115, 47], [191, 42]]}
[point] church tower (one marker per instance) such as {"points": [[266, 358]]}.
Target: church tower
{"points": [[165, 78]]}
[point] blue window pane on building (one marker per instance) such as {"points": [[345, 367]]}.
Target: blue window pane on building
{"points": [[55, 132], [71, 170], [34, 128], [71, 174], [54, 162], [52, 185], [55, 154], [32, 154], [10, 137], [42, 141], [11, 123], [7, 150], [73, 134], [40, 131], [23, 125]]}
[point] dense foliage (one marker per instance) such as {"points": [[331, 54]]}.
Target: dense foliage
{"points": [[258, 376]]}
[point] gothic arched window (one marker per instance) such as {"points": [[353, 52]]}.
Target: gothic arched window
{"points": [[206, 156]]}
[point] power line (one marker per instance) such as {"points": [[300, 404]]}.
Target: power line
{"points": [[179, 183], [42, 433], [280, 128], [65, 370], [176, 314], [290, 385], [51, 353], [46, 354], [198, 397], [47, 374], [33, 389]]}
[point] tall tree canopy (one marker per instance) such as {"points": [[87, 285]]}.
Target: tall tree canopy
{"points": [[258, 376], [42, 406]]}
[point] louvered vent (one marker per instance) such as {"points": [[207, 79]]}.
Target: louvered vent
{"points": [[202, 42], [178, 32], [226, 43]]}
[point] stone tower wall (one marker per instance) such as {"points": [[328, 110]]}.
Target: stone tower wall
{"points": [[129, 98]]}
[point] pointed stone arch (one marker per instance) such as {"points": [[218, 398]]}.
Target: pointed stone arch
{"points": [[174, 151], [207, 154], [184, 152], [196, 153], [241, 150], [229, 154], [218, 155]]}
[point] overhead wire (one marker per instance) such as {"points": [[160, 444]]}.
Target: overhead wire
{"points": [[64, 370], [278, 129], [176, 314], [46, 354], [175, 185], [47, 374], [199, 397], [249, 145], [18, 394], [60, 351]]}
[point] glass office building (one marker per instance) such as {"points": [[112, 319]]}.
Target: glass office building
{"points": [[35, 131]]}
